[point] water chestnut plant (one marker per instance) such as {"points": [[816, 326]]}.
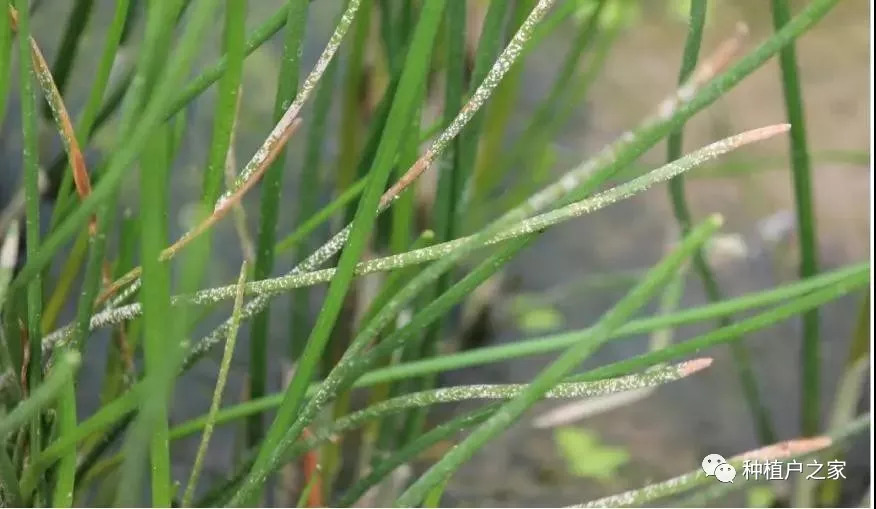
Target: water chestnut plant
{"points": [[317, 257]]}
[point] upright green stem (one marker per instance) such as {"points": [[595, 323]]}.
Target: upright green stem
{"points": [[226, 102], [762, 420], [800, 167], [77, 21], [496, 117], [32, 209], [351, 120], [308, 184], [414, 74], [446, 200], [272, 184], [156, 302]]}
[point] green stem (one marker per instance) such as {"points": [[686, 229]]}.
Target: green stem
{"points": [[800, 167], [414, 74], [272, 183], [73, 30], [747, 379], [30, 160], [729, 333], [156, 302], [147, 122], [217, 392], [315, 220], [351, 117], [413, 449], [547, 344], [59, 376], [446, 202], [307, 220], [8, 481]]}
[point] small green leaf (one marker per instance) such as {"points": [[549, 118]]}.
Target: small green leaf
{"points": [[586, 457], [540, 319]]}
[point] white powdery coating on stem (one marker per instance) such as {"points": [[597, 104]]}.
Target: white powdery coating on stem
{"points": [[644, 182], [129, 291], [590, 406], [269, 287], [503, 63], [276, 135], [500, 68], [651, 378], [541, 222], [576, 176], [650, 492], [686, 481]]}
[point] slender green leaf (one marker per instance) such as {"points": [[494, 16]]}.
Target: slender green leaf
{"points": [[217, 392]]}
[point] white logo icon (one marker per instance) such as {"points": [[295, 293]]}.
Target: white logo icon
{"points": [[711, 462], [716, 465], [725, 473]]}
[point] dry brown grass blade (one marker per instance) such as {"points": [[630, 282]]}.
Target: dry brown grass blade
{"points": [[225, 206], [62, 118]]}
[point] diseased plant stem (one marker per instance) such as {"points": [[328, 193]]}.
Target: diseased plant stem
{"points": [[412, 78], [804, 295], [267, 288], [651, 378], [559, 369]]}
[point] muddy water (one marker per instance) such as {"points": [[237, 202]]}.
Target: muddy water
{"points": [[669, 432], [672, 430]]}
